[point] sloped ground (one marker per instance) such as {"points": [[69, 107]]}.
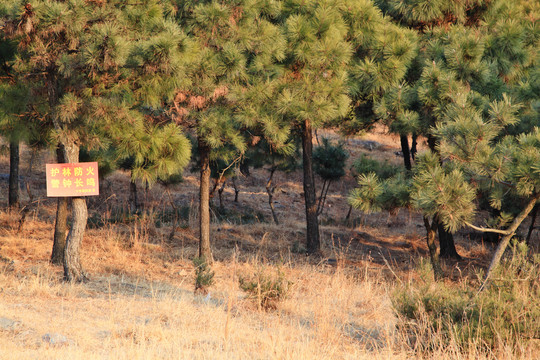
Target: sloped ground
{"points": [[139, 302]]}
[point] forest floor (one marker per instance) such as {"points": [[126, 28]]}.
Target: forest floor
{"points": [[139, 301]]}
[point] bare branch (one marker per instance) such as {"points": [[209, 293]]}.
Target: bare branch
{"points": [[497, 231]]}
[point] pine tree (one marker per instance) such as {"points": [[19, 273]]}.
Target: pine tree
{"points": [[312, 90], [237, 46], [474, 60], [479, 161], [94, 65], [479, 47], [13, 116], [329, 164]]}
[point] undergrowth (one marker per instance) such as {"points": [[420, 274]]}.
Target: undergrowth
{"points": [[439, 314], [266, 287]]}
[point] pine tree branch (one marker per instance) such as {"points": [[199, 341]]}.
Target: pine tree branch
{"points": [[477, 228]]}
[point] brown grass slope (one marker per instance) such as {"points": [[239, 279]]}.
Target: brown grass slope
{"points": [[139, 302]]}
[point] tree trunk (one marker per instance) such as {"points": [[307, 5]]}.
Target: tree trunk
{"points": [[236, 189], [60, 226], [446, 243], [14, 160], [406, 152], [446, 239], [204, 203], [133, 197], [312, 234], [506, 239], [60, 231], [413, 146], [220, 194], [432, 247], [348, 216], [73, 271], [270, 191], [531, 227]]}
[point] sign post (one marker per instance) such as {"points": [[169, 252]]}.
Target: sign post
{"points": [[70, 180]]}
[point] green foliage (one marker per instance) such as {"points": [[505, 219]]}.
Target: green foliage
{"points": [[97, 74], [244, 216], [329, 160], [383, 170], [381, 186], [204, 276], [283, 158], [265, 288], [374, 194], [506, 313]]}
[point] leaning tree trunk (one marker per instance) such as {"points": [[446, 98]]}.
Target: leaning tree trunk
{"points": [[60, 226], [73, 270], [14, 159], [406, 152], [432, 247], [509, 234], [531, 226], [312, 234], [204, 203]]}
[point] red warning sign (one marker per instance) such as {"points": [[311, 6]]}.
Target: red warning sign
{"points": [[80, 179]]}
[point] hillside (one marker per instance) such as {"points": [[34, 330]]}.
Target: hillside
{"points": [[139, 302]]}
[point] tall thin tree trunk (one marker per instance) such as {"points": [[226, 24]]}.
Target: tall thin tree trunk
{"points": [[204, 203], [73, 270], [270, 191], [133, 197], [310, 197], [220, 193], [432, 247], [60, 226], [235, 187], [348, 216], [14, 159], [406, 152]]}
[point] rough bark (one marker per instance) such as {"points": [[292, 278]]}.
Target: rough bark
{"points": [[310, 197], [14, 159], [60, 226], [406, 152], [446, 243], [73, 271], [432, 247], [204, 203], [60, 231], [133, 197], [506, 240]]}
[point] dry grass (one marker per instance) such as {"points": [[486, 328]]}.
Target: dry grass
{"points": [[139, 303]]}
